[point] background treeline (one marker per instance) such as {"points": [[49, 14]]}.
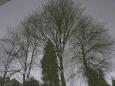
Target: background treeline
{"points": [[59, 26]]}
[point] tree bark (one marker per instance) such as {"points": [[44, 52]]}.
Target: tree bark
{"points": [[3, 79], [23, 79], [63, 82], [30, 67]]}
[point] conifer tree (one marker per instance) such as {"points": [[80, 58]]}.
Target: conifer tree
{"points": [[49, 66]]}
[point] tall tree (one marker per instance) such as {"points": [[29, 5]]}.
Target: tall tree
{"points": [[29, 51], [50, 66], [56, 23], [92, 45]]}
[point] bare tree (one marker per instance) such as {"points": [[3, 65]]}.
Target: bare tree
{"points": [[92, 45], [29, 46], [22, 47], [56, 23], [8, 52]]}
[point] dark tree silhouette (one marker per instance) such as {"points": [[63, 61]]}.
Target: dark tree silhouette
{"points": [[95, 78], [113, 82], [12, 82], [32, 82], [50, 66]]}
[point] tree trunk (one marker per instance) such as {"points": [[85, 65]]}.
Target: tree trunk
{"points": [[23, 79], [62, 79], [30, 67], [32, 57], [83, 52], [24, 75], [63, 82], [3, 79]]}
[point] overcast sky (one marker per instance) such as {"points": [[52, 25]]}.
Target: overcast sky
{"points": [[10, 13], [13, 11], [102, 10]]}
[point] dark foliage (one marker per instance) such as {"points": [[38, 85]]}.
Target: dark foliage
{"points": [[95, 78], [49, 66], [32, 82], [113, 82], [12, 82]]}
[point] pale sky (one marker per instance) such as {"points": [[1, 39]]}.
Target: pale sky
{"points": [[13, 11], [102, 10]]}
